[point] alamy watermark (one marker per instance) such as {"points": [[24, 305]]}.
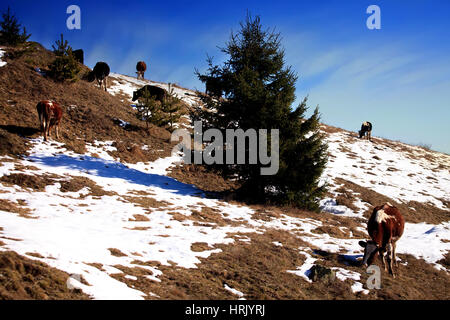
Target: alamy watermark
{"points": [[231, 150], [74, 20], [374, 281], [374, 20]]}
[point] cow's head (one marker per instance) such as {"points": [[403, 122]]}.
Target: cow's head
{"points": [[90, 76], [361, 133], [135, 95], [371, 250]]}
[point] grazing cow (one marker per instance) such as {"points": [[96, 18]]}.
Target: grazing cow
{"points": [[100, 73], [366, 130], [50, 114], [158, 92], [141, 67], [385, 227], [79, 55]]}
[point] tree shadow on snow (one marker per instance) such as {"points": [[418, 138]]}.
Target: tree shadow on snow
{"points": [[116, 170]]}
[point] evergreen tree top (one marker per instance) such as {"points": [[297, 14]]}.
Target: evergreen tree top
{"points": [[10, 30]]}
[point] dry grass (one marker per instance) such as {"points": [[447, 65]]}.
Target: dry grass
{"points": [[39, 182], [23, 279], [202, 178], [146, 202], [116, 252], [139, 218], [28, 181], [77, 183], [330, 129], [200, 246], [9, 206]]}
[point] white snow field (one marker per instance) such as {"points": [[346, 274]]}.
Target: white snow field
{"points": [[72, 231]]}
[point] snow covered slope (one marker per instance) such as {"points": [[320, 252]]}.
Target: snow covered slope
{"points": [[2, 63], [125, 85], [121, 216]]}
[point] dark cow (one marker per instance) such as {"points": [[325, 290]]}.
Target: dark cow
{"points": [[79, 55], [366, 130], [100, 73], [141, 67], [156, 91], [385, 227], [50, 114]]}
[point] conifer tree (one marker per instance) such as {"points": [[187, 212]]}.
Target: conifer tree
{"points": [[62, 47], [257, 92], [10, 30], [171, 106], [148, 109], [65, 66]]}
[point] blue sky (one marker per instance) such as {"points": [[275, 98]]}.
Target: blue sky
{"points": [[397, 77]]}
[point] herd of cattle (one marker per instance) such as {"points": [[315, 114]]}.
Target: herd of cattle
{"points": [[385, 226]]}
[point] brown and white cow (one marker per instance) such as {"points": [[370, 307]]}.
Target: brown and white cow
{"points": [[50, 114], [385, 227], [141, 67]]}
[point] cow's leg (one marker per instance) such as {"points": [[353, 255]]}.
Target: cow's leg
{"points": [[105, 84], [390, 258], [382, 259], [50, 127], [44, 129], [40, 121], [394, 245], [57, 130], [381, 252]]}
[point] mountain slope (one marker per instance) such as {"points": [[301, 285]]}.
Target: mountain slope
{"points": [[100, 204]]}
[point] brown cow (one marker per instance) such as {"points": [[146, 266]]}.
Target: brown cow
{"points": [[50, 114], [141, 67], [385, 227]]}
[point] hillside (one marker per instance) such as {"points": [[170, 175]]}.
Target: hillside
{"points": [[111, 206]]}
